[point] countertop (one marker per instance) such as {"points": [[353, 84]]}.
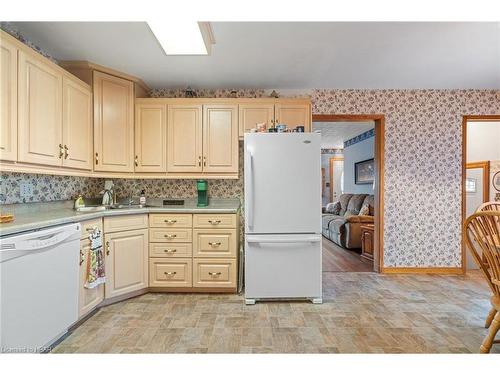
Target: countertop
{"points": [[30, 216]]}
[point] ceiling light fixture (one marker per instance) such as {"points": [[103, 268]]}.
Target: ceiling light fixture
{"points": [[183, 37]]}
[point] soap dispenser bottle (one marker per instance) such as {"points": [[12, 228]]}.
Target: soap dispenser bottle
{"points": [[142, 199]]}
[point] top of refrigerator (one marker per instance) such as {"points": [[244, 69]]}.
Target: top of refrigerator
{"points": [[282, 183]]}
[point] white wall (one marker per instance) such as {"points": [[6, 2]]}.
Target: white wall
{"points": [[483, 143], [352, 154]]}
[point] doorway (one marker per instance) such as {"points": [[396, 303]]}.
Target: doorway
{"points": [[480, 162], [357, 248]]}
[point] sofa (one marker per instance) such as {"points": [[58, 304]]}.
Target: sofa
{"points": [[342, 220]]}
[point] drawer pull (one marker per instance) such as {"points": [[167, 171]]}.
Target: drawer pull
{"points": [[170, 273], [215, 273], [170, 235], [215, 244], [214, 222], [82, 257], [92, 229], [170, 221], [170, 251], [107, 248]]}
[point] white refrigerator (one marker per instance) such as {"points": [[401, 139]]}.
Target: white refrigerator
{"points": [[282, 216]]}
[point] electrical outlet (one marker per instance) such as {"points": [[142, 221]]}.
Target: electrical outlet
{"points": [[26, 189]]}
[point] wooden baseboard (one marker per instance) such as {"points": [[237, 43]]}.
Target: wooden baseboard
{"points": [[429, 270], [191, 290]]}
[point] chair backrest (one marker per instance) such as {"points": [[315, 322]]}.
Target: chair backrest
{"points": [[489, 206], [482, 236]]}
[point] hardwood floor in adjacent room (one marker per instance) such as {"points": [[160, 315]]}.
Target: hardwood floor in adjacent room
{"points": [[362, 313], [338, 259]]}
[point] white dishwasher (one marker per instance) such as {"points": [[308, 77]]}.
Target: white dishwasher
{"points": [[38, 287]]}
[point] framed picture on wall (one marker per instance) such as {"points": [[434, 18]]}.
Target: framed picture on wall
{"points": [[364, 172], [496, 181]]}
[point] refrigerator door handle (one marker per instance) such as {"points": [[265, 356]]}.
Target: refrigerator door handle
{"points": [[250, 191], [267, 239]]}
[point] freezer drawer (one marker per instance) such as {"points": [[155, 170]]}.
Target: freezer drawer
{"points": [[283, 266]]}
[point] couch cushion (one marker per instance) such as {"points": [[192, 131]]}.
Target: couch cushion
{"points": [[354, 204], [370, 201], [333, 208], [336, 225], [344, 201]]}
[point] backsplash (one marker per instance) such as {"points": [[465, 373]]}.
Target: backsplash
{"points": [[46, 188]]}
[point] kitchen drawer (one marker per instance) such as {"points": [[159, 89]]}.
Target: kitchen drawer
{"points": [[125, 222], [170, 220], [170, 235], [214, 243], [170, 272], [214, 273], [214, 221], [173, 250], [88, 226]]}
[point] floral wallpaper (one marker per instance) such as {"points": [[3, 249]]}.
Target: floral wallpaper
{"points": [[423, 154]]}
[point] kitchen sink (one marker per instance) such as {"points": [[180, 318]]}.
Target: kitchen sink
{"points": [[127, 206], [91, 208]]}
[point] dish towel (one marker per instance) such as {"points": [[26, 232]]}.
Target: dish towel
{"points": [[95, 265]]}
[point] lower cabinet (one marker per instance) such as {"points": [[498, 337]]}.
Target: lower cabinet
{"points": [[193, 251], [88, 299], [170, 272], [126, 262], [214, 273]]}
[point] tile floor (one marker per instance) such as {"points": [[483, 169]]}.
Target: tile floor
{"points": [[362, 312]]}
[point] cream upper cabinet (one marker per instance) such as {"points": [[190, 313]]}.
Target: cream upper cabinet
{"points": [[220, 138], [252, 114], [87, 298], [39, 111], [77, 125], [113, 123], [150, 138], [126, 262], [8, 101], [293, 115], [184, 138]]}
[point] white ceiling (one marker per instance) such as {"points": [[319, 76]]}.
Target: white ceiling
{"points": [[334, 134], [290, 55]]}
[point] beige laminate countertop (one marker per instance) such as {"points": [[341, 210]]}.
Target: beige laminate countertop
{"points": [[30, 216]]}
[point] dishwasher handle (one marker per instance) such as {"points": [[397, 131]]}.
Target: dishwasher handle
{"points": [[24, 244]]}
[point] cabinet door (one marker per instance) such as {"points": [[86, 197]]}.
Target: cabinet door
{"points": [[126, 262], [293, 115], [8, 101], [88, 299], [150, 138], [184, 139], [220, 138], [252, 114], [77, 125], [40, 112], [113, 123]]}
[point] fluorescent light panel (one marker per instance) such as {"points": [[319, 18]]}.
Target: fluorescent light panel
{"points": [[179, 38]]}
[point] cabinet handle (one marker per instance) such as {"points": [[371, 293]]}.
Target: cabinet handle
{"points": [[61, 153], [170, 235], [170, 273], [199, 161], [82, 257], [96, 158], [170, 251], [214, 222], [215, 273], [136, 161], [108, 249], [66, 152], [215, 244], [204, 161], [168, 221]]}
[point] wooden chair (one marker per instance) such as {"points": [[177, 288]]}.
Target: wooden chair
{"points": [[489, 206], [482, 236]]}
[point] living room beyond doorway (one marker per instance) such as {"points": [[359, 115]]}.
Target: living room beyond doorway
{"points": [[351, 163]]}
